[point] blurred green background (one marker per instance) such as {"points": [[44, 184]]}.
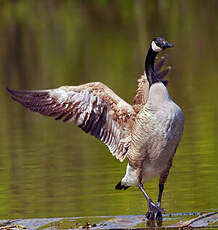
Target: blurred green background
{"points": [[52, 169]]}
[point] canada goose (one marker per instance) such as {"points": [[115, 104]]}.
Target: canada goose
{"points": [[147, 133]]}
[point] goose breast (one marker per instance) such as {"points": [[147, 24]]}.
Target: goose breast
{"points": [[155, 136]]}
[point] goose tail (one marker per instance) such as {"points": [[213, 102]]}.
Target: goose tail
{"points": [[121, 186]]}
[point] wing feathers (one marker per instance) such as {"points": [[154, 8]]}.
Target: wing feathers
{"points": [[93, 107], [89, 105]]}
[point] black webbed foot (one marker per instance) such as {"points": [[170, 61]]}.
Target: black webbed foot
{"points": [[154, 212]]}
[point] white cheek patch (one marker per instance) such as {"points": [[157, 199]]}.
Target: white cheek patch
{"points": [[155, 47]]}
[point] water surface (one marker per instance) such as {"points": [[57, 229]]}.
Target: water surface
{"points": [[52, 169]]}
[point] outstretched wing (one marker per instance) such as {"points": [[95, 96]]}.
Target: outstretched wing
{"points": [[143, 87], [93, 107]]}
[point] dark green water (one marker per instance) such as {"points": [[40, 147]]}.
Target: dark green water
{"points": [[52, 169]]}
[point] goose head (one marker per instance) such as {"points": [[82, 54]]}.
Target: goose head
{"points": [[157, 45]]}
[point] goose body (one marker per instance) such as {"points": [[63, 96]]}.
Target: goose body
{"points": [[147, 133], [155, 135]]}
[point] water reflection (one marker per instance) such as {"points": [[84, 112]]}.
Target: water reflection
{"points": [[48, 168]]}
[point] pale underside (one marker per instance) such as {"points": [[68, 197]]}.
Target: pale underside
{"points": [[155, 137]]}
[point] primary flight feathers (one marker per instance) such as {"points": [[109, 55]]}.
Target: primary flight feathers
{"points": [[93, 107]]}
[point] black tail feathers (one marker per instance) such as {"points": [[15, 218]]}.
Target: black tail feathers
{"points": [[119, 186]]}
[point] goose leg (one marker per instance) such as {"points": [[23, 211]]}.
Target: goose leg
{"points": [[162, 180], [161, 188], [154, 211]]}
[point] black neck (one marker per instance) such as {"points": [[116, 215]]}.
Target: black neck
{"points": [[149, 66]]}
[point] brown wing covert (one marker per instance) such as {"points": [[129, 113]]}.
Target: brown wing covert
{"points": [[90, 112]]}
